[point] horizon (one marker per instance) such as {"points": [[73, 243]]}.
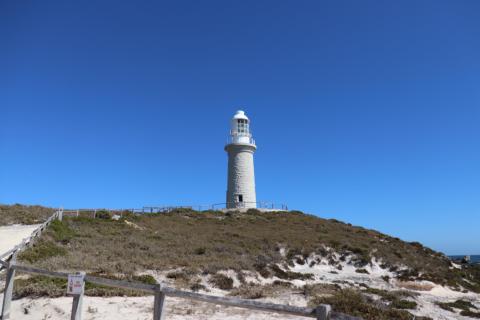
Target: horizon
{"points": [[363, 112]]}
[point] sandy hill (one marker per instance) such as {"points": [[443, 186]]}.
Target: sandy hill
{"points": [[276, 256]]}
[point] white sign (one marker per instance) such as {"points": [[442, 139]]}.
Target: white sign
{"points": [[75, 283]]}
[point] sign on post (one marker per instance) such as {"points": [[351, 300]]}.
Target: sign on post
{"points": [[75, 284]]}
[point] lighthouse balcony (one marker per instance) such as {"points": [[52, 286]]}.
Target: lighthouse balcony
{"points": [[241, 138]]}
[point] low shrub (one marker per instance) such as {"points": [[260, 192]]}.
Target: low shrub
{"points": [[41, 286], [221, 281], [354, 303], [253, 212], [362, 271], [60, 231], [42, 250], [468, 313], [407, 275], [248, 291], [458, 304], [178, 275], [145, 278], [445, 306], [403, 304], [104, 214], [289, 275], [197, 287], [318, 289], [200, 251]]}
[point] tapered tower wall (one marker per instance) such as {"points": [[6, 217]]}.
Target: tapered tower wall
{"points": [[241, 176]]}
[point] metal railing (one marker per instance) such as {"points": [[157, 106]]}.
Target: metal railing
{"points": [[165, 209], [120, 212], [252, 205], [234, 137]]}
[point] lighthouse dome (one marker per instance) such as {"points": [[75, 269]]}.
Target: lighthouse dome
{"points": [[240, 114]]}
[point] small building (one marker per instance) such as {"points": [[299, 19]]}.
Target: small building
{"points": [[241, 176]]}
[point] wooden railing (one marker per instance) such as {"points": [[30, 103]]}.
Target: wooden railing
{"points": [[30, 239], [160, 291]]}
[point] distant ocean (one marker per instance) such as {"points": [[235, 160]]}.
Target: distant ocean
{"points": [[473, 259]]}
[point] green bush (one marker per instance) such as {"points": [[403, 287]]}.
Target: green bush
{"points": [[404, 304], [468, 313], [222, 281], [42, 250], [39, 286], [60, 231], [354, 303], [362, 271], [458, 304], [104, 214], [145, 278], [289, 275]]}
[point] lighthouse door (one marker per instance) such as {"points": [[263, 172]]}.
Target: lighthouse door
{"points": [[240, 198]]}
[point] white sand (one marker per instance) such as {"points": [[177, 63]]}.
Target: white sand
{"points": [[346, 277], [133, 308], [12, 235], [141, 307]]}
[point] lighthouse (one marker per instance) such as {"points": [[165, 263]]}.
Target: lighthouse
{"points": [[241, 176]]}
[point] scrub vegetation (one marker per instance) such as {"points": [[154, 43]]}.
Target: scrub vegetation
{"points": [[466, 308], [19, 214], [211, 241], [355, 303], [187, 244]]}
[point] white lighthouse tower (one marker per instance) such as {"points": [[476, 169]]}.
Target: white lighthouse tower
{"points": [[241, 176]]}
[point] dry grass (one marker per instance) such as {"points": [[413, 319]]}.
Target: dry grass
{"points": [[210, 241], [19, 214], [411, 285], [41, 286], [195, 243], [213, 241], [257, 291]]}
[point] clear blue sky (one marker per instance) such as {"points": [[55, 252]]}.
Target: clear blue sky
{"points": [[364, 111]]}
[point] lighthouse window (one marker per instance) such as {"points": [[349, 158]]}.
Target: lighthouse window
{"points": [[240, 198], [241, 125]]}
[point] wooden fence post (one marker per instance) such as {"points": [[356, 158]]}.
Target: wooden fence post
{"points": [[7, 293], [323, 312], [159, 303], [60, 215], [77, 303]]}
